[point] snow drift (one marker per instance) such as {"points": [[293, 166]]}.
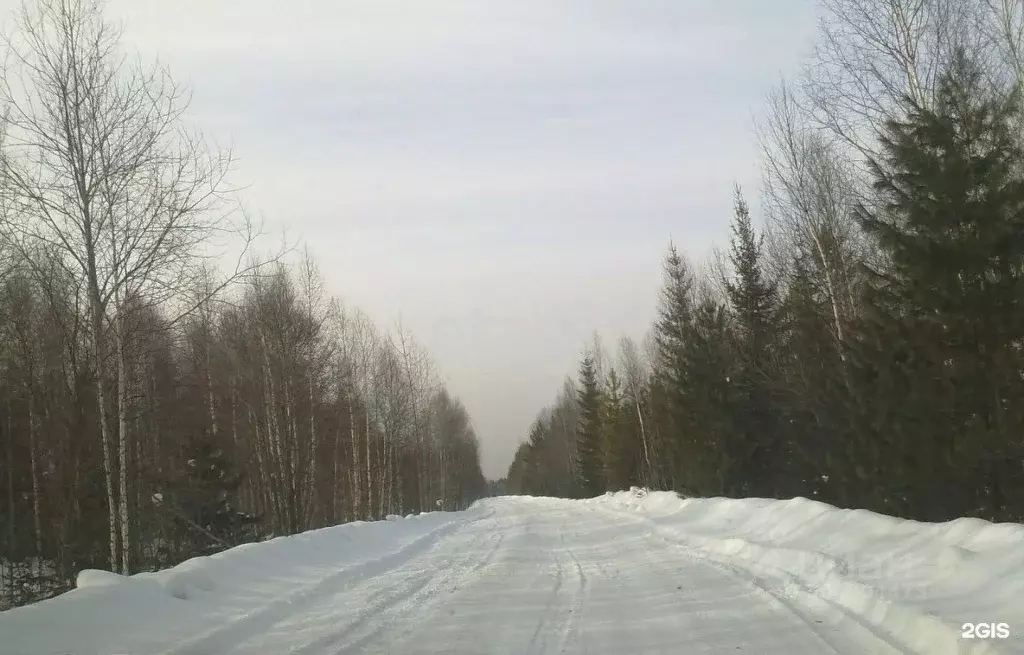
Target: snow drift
{"points": [[169, 610], [915, 583]]}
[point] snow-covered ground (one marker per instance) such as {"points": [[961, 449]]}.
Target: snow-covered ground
{"points": [[624, 573]]}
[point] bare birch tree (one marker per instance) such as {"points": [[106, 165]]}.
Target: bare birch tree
{"points": [[873, 53], [809, 196], [420, 381], [635, 373], [360, 344], [100, 166]]}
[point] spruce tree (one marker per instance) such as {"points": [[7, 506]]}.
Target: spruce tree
{"points": [[589, 467], [951, 224], [715, 447], [544, 482], [201, 502], [675, 315], [620, 446], [812, 395], [754, 302], [660, 431]]}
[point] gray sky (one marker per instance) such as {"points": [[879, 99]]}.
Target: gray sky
{"points": [[504, 175]]}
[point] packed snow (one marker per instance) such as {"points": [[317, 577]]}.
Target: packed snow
{"points": [[630, 572]]}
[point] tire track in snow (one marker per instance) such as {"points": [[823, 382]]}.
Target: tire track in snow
{"points": [[561, 614], [763, 587], [656, 554], [548, 605], [569, 626], [396, 607], [808, 606], [224, 638]]}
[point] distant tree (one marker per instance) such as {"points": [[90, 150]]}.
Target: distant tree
{"points": [[619, 444], [497, 487], [589, 465], [637, 409]]}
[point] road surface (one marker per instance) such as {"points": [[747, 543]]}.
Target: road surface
{"points": [[627, 573], [527, 576]]}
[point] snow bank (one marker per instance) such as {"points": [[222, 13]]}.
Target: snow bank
{"points": [[916, 583], [207, 601]]}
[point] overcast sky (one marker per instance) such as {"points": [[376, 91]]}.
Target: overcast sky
{"points": [[503, 175]]}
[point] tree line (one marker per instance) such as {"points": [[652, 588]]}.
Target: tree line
{"points": [[156, 404], [863, 345]]}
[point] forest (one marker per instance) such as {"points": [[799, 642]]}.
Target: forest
{"points": [[169, 385], [861, 341]]}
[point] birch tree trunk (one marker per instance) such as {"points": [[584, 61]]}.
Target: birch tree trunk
{"points": [[643, 440], [123, 443], [211, 404], [106, 438], [357, 492], [369, 470], [12, 524], [33, 463]]}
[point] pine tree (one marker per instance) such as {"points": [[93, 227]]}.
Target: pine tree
{"points": [[200, 501], [544, 482], [812, 394], [675, 315], [676, 307], [520, 477], [660, 431], [754, 302], [589, 466], [715, 446], [620, 445], [952, 227]]}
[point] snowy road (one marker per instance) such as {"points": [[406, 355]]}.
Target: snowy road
{"points": [[613, 575], [542, 577]]}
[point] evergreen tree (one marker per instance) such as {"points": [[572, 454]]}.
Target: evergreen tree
{"points": [[675, 315], [200, 502], [910, 403], [754, 302], [947, 309], [620, 447], [520, 477], [661, 428], [715, 446], [589, 466], [542, 483], [811, 396]]}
